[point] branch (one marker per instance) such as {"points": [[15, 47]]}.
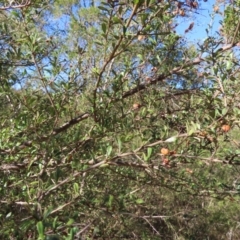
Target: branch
{"points": [[236, 31], [83, 116], [13, 167], [118, 162], [110, 58], [16, 64], [19, 5], [176, 70], [56, 131]]}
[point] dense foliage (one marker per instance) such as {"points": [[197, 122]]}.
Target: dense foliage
{"points": [[114, 125]]}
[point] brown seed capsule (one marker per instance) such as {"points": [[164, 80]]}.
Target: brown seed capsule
{"points": [[216, 9], [194, 4], [141, 37], [164, 151], [136, 106], [189, 170], [226, 128], [154, 69], [182, 12]]}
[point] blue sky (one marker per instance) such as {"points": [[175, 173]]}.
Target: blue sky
{"points": [[203, 18]]}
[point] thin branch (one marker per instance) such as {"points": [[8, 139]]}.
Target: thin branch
{"points": [[110, 58], [56, 131], [61, 207], [11, 6], [84, 229], [129, 93], [236, 31], [176, 70], [154, 229]]}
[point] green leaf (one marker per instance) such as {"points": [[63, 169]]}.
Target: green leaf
{"points": [[55, 222], [71, 234], [149, 152], [110, 200], [46, 212], [229, 65], [99, 43], [40, 229], [109, 150], [104, 27], [224, 111], [139, 201], [70, 222], [95, 70], [119, 144], [191, 131], [76, 187], [103, 8], [116, 20]]}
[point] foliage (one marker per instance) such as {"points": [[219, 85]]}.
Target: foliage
{"points": [[114, 126], [231, 24]]}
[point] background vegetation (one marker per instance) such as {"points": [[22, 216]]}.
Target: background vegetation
{"points": [[114, 125]]}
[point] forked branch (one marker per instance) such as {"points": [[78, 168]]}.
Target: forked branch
{"points": [[15, 4]]}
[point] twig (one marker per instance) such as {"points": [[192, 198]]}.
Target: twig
{"points": [[11, 6], [154, 229]]}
